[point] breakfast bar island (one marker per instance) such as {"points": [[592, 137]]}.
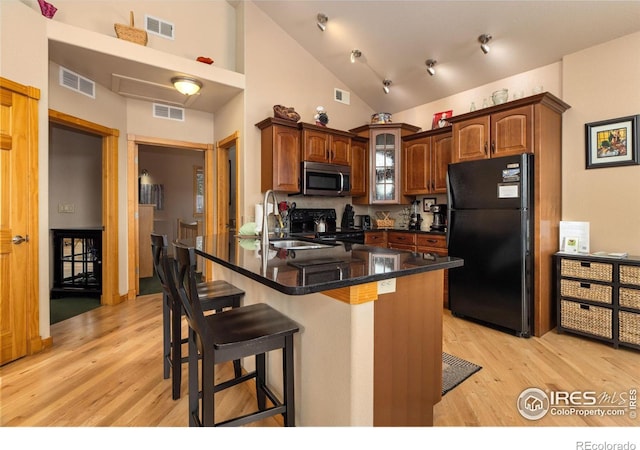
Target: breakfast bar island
{"points": [[369, 350]]}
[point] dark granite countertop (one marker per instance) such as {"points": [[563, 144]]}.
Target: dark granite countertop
{"points": [[404, 230], [299, 272]]}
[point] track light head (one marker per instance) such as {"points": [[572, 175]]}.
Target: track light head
{"points": [[484, 43], [355, 54], [322, 21], [385, 86], [430, 66]]}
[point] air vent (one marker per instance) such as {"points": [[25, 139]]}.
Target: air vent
{"points": [[78, 83], [341, 96], [168, 112], [159, 27]]}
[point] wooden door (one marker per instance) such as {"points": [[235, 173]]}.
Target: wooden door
{"points": [[19, 315], [441, 156], [416, 167], [471, 139], [340, 150], [512, 132]]}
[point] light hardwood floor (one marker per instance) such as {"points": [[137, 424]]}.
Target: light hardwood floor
{"points": [[105, 369]]}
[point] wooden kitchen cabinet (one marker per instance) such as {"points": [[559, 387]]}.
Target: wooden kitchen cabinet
{"points": [[496, 134], [376, 238], [385, 166], [599, 298], [280, 155], [359, 166], [425, 159], [401, 240], [325, 145]]}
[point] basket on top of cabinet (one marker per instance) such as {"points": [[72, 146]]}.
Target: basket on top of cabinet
{"points": [[599, 297]]}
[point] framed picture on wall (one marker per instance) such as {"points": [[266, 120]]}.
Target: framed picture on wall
{"points": [[440, 119], [427, 203], [611, 143]]}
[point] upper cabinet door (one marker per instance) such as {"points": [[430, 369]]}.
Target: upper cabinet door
{"points": [[315, 146], [359, 167], [340, 150], [441, 156], [471, 139], [512, 131], [416, 167], [385, 171]]}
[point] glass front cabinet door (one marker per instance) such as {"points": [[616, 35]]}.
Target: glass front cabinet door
{"points": [[385, 141]]}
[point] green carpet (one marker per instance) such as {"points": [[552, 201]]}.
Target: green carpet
{"points": [[150, 285], [67, 307]]}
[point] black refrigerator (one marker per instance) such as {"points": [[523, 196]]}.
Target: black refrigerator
{"points": [[489, 224]]}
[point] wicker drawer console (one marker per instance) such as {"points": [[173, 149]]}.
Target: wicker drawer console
{"points": [[599, 297]]}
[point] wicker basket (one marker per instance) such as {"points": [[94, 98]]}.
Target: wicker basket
{"points": [[586, 291], [129, 33], [586, 269], [629, 328], [589, 319], [629, 298], [383, 220], [630, 275]]}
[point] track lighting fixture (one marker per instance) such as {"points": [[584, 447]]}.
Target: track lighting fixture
{"points": [[385, 86], [355, 54], [186, 85], [484, 42], [430, 63], [322, 21]]}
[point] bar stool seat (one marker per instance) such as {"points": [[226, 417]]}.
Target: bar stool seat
{"points": [[213, 296], [251, 330]]}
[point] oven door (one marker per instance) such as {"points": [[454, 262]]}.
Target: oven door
{"points": [[329, 180]]}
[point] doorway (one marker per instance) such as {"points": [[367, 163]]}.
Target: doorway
{"points": [[227, 202], [109, 198], [135, 210]]}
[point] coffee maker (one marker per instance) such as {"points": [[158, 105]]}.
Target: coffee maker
{"points": [[439, 217]]}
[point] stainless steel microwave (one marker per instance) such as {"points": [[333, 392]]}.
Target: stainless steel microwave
{"points": [[330, 180]]}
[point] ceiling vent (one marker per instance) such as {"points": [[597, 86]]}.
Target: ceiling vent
{"points": [[159, 27], [78, 83], [341, 96], [168, 112]]}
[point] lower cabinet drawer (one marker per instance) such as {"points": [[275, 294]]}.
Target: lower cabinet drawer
{"points": [[586, 291], [629, 298], [586, 269], [629, 327], [630, 275], [590, 319]]}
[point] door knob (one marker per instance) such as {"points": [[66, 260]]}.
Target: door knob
{"points": [[19, 239]]}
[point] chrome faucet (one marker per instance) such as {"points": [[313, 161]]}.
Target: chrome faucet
{"points": [[265, 216]]}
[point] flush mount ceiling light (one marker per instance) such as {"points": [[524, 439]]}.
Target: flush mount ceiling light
{"points": [[186, 85], [484, 43], [322, 21], [355, 54], [385, 86], [430, 63]]}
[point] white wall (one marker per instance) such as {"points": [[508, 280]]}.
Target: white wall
{"points": [[209, 32], [75, 168], [601, 83]]}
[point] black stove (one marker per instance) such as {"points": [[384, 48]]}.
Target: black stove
{"points": [[303, 223]]}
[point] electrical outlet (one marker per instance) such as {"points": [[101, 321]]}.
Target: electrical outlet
{"points": [[387, 286]]}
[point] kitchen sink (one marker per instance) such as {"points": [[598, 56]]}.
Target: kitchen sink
{"points": [[296, 244]]}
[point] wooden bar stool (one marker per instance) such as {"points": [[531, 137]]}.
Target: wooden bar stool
{"points": [[241, 332], [213, 296]]}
